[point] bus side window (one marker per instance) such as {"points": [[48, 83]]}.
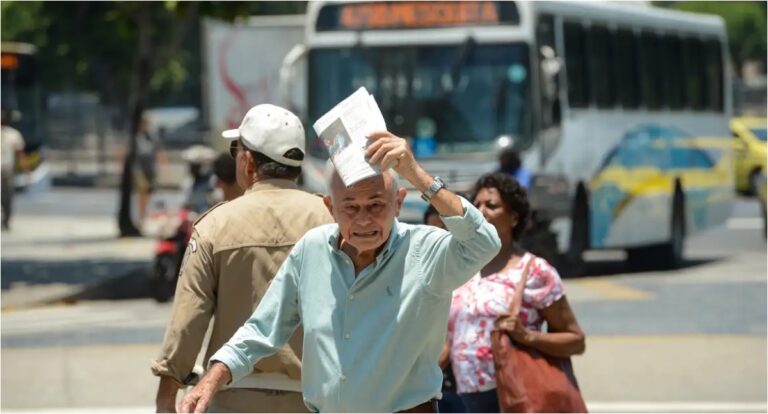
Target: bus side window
{"points": [[714, 75], [601, 62], [550, 66], [674, 82], [651, 87], [626, 68], [576, 65], [693, 60]]}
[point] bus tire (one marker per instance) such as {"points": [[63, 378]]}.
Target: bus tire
{"points": [[669, 255], [572, 262], [542, 242], [754, 182]]}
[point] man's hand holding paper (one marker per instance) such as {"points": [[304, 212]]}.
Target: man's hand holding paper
{"points": [[344, 130]]}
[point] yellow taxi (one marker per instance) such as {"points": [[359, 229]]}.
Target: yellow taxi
{"points": [[750, 152]]}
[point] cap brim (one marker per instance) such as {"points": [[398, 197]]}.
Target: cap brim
{"points": [[231, 134]]}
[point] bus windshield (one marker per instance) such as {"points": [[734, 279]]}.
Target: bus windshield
{"points": [[461, 96]]}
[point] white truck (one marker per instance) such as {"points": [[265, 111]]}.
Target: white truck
{"points": [[241, 66]]}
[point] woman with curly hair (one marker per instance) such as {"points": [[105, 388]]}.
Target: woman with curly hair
{"points": [[483, 299]]}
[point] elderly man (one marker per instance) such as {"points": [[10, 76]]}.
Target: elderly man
{"points": [[373, 295]]}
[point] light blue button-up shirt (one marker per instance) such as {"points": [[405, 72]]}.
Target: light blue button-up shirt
{"points": [[371, 342]]}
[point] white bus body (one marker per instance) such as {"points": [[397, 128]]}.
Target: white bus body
{"points": [[489, 81]]}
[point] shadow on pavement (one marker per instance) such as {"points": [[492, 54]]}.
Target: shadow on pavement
{"points": [[614, 267], [70, 272], [91, 279], [132, 285]]}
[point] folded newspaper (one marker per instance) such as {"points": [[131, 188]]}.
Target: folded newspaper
{"points": [[344, 131]]}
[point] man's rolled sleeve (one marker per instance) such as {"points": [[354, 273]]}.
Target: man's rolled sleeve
{"points": [[452, 258], [192, 311], [270, 326], [465, 227]]}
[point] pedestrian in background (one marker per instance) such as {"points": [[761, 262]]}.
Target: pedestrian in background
{"points": [[510, 163], [487, 295], [225, 177], [372, 294], [12, 147], [148, 153], [234, 252]]}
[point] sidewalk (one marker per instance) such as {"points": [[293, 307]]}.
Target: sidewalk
{"points": [[617, 374], [65, 242]]}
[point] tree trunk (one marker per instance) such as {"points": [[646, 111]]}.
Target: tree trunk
{"points": [[139, 91], [148, 58]]}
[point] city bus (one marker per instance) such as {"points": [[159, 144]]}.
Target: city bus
{"points": [[21, 96], [567, 85]]}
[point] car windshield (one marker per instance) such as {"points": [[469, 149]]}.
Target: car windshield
{"points": [[459, 97]]}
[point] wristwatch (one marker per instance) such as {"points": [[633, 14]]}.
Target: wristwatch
{"points": [[437, 185]]}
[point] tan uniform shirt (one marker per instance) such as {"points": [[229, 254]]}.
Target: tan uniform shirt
{"points": [[234, 253]]}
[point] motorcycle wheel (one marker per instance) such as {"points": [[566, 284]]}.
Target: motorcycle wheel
{"points": [[164, 280]]}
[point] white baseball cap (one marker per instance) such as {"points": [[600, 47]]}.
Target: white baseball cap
{"points": [[272, 131]]}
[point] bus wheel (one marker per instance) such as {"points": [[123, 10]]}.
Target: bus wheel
{"points": [[754, 182], [542, 242], [572, 262], [669, 255]]}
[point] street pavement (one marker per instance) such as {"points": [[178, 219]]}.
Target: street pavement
{"points": [[689, 340]]}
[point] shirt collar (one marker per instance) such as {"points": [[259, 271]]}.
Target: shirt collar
{"points": [[272, 184], [389, 245]]}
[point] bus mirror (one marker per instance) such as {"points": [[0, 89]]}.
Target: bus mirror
{"points": [[550, 68], [293, 81]]}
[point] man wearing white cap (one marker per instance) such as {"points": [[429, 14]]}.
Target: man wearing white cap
{"points": [[235, 251]]}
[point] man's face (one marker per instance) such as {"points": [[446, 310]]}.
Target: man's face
{"points": [[365, 212]]}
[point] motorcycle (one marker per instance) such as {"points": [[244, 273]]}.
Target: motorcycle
{"points": [[173, 236], [175, 229]]}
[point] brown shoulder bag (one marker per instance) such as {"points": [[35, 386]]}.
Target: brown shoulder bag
{"points": [[528, 381]]}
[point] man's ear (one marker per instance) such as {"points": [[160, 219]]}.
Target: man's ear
{"points": [[401, 193], [328, 204], [250, 164]]}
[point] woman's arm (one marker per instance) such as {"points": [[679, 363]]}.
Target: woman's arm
{"points": [[564, 336], [445, 354]]}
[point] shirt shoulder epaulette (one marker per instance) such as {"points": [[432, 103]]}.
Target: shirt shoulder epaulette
{"points": [[219, 204]]}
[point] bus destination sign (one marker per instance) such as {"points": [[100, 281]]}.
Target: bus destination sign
{"points": [[411, 14]]}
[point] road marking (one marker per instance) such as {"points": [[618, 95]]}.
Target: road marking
{"points": [[594, 407], [676, 407], [744, 223], [611, 290], [58, 319], [147, 409]]}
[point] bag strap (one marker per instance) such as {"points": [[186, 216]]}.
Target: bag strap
{"points": [[517, 299]]}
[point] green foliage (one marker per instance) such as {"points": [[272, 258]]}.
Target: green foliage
{"points": [[745, 22], [22, 22], [93, 46]]}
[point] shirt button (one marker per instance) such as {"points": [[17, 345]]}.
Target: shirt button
{"points": [[347, 335], [343, 377]]}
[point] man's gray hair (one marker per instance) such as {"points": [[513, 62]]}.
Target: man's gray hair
{"points": [[330, 174]]}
